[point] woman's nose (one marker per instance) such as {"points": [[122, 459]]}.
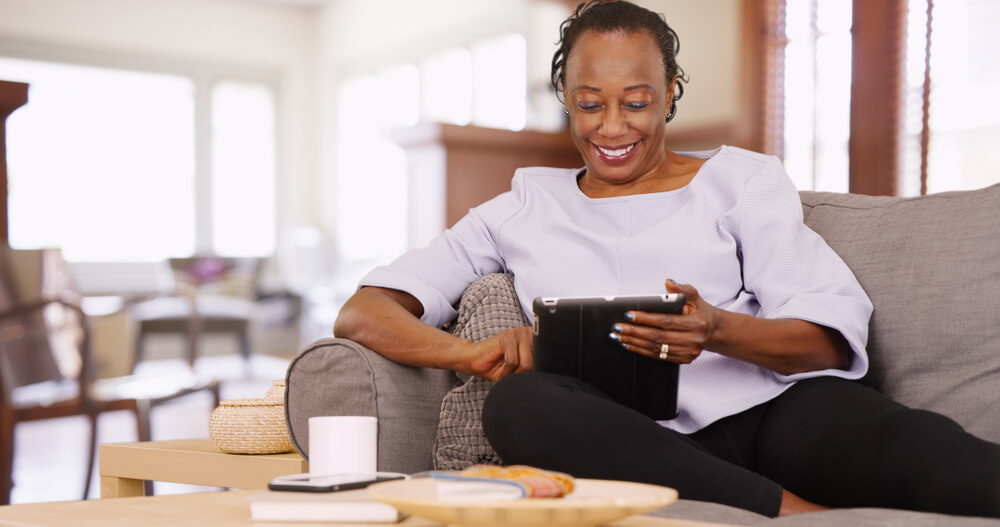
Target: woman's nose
{"points": [[613, 123]]}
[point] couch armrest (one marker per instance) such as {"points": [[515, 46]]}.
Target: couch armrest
{"points": [[336, 376]]}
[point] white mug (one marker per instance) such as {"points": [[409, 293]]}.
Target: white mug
{"points": [[343, 444]]}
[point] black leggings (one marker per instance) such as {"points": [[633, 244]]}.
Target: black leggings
{"points": [[830, 441]]}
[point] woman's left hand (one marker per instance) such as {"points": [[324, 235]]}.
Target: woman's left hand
{"points": [[682, 336]]}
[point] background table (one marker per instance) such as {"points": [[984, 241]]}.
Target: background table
{"points": [[124, 466]]}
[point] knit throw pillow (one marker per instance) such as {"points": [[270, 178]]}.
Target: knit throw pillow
{"points": [[488, 307]]}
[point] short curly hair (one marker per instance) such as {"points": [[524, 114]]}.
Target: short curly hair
{"points": [[606, 16]]}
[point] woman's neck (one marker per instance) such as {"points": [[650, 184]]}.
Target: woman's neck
{"points": [[675, 172]]}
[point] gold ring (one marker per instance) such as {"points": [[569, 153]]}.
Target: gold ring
{"points": [[664, 350]]}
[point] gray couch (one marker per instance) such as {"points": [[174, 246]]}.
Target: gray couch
{"points": [[931, 266]]}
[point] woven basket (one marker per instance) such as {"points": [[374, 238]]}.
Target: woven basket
{"points": [[276, 391], [250, 426]]}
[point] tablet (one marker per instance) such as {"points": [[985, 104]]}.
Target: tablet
{"points": [[571, 338]]}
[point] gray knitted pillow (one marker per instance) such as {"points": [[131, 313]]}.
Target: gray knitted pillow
{"points": [[488, 307]]}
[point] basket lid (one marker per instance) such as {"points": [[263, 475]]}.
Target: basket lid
{"points": [[252, 401]]}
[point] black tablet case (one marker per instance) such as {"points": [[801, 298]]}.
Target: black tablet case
{"points": [[571, 338]]}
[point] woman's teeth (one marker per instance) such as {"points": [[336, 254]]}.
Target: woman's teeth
{"points": [[618, 152]]}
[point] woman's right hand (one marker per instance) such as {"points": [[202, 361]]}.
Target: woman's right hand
{"points": [[388, 322], [501, 355]]}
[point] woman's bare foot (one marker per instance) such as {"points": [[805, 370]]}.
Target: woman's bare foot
{"points": [[792, 504]]}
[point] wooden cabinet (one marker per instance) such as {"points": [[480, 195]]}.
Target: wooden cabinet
{"points": [[451, 169], [470, 164]]}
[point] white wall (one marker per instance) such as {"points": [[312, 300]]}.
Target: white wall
{"points": [[227, 32], [711, 36], [363, 35], [360, 34]]}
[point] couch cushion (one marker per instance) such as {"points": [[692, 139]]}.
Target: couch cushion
{"points": [[931, 266], [869, 517], [703, 511]]}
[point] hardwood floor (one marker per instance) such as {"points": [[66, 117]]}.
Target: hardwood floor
{"points": [[50, 457]]}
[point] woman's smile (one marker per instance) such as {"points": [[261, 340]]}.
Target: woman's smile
{"points": [[615, 154]]}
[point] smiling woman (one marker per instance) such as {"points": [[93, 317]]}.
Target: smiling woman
{"points": [[771, 337]]}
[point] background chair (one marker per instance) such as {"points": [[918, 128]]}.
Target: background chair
{"points": [[210, 295], [47, 366]]}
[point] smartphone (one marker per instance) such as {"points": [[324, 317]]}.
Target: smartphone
{"points": [[330, 483]]}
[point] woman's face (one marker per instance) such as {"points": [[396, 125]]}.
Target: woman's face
{"points": [[616, 95]]}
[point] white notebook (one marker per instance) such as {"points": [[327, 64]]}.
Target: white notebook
{"points": [[348, 506]]}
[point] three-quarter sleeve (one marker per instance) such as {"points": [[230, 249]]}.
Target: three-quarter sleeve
{"points": [[439, 273], [792, 272]]}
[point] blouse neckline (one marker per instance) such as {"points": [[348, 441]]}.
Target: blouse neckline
{"points": [[707, 155]]}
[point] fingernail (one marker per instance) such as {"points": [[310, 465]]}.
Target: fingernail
{"points": [[630, 316], [614, 336], [617, 328]]}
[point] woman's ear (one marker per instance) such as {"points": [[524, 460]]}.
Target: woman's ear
{"points": [[672, 98], [672, 88]]}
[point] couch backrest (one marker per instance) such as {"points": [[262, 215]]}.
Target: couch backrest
{"points": [[931, 266]]}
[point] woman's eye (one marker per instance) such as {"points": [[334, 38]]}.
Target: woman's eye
{"points": [[588, 106], [637, 105]]}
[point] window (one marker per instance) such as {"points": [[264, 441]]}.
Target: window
{"points": [[372, 183], [482, 85], [103, 163], [817, 89], [104, 170], [243, 169], [962, 119], [499, 87], [808, 52], [485, 85], [888, 97], [446, 87]]}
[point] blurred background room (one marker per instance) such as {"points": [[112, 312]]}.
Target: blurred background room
{"points": [[208, 179]]}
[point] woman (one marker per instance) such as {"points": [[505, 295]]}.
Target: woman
{"points": [[772, 335]]}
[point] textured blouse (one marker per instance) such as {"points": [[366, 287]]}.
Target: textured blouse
{"points": [[735, 233]]}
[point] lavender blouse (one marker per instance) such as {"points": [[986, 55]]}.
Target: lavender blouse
{"points": [[735, 233]]}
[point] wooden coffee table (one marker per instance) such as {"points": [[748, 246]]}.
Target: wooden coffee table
{"points": [[124, 466], [215, 509]]}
